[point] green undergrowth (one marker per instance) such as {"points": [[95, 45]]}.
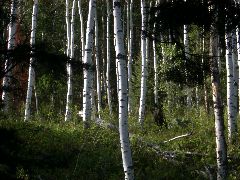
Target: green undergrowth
{"points": [[58, 150]]}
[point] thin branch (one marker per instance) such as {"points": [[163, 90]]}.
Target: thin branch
{"points": [[178, 137]]}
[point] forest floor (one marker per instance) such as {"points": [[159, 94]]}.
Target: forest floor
{"points": [[57, 150]]}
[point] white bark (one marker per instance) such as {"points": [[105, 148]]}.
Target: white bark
{"points": [[82, 28], [205, 83], [230, 88], [122, 92], [144, 64], [31, 74], [11, 45], [155, 64], [99, 97], [68, 113], [187, 55], [130, 53], [221, 147], [88, 64], [108, 60]]}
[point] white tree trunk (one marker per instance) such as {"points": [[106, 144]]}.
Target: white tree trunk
{"points": [[11, 45], [108, 60], [31, 74], [221, 147], [82, 28], [88, 64], [187, 55], [99, 100], [205, 83], [155, 64], [130, 53], [122, 92], [144, 64], [68, 113], [230, 88]]}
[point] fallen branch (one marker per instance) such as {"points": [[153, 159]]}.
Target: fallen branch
{"points": [[181, 136], [178, 137]]}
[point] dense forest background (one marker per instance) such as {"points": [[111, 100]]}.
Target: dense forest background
{"points": [[68, 67]]}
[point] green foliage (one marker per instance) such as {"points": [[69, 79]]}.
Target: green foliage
{"points": [[53, 149]]}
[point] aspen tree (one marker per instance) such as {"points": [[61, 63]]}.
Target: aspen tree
{"points": [[230, 88], [130, 51], [70, 50], [108, 60], [10, 46], [99, 97], [144, 64], [88, 77], [122, 92], [205, 82], [31, 73], [221, 147], [82, 28], [155, 64], [186, 48]]}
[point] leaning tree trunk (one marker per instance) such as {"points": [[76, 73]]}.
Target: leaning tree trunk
{"points": [[221, 147], [10, 47], [230, 89], [88, 64], [109, 97], [31, 74], [68, 113], [99, 97], [122, 92], [144, 64]]}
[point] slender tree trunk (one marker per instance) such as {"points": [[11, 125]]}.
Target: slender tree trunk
{"points": [[144, 64], [122, 92], [88, 74], [230, 89], [130, 53], [155, 64], [99, 100], [221, 147], [205, 81], [31, 74], [10, 46], [68, 114], [36, 98], [187, 56], [104, 59], [108, 60], [82, 28]]}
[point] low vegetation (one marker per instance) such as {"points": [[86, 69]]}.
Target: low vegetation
{"points": [[53, 149]]}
